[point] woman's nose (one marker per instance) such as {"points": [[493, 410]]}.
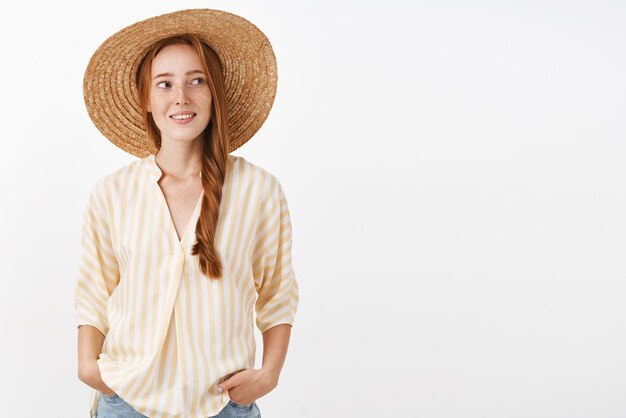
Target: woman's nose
{"points": [[181, 96]]}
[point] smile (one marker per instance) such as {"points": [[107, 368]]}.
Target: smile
{"points": [[183, 118]]}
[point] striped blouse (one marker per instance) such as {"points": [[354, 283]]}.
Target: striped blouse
{"points": [[171, 333]]}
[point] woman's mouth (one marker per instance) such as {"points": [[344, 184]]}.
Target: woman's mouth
{"points": [[183, 118]]}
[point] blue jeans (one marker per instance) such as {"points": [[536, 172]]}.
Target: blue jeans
{"points": [[114, 407]]}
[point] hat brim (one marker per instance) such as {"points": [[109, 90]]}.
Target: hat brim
{"points": [[248, 61]]}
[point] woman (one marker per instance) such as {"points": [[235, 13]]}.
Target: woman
{"points": [[181, 246]]}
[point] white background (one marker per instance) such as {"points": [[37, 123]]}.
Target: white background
{"points": [[455, 173]]}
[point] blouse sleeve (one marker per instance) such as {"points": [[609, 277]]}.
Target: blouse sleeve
{"points": [[274, 277], [98, 272]]}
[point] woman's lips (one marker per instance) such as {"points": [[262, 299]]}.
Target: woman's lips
{"points": [[183, 121]]}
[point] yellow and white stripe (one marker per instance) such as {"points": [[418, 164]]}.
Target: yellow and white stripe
{"points": [[172, 334]]}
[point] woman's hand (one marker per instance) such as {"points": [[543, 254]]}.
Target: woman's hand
{"points": [[249, 385], [89, 374], [90, 340]]}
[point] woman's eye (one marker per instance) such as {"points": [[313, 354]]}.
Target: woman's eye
{"points": [[166, 84]]}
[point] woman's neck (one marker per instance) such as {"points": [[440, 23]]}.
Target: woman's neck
{"points": [[180, 161]]}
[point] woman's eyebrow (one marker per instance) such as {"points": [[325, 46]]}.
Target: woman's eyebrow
{"points": [[170, 74]]}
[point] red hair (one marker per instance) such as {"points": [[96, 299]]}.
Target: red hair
{"points": [[216, 144]]}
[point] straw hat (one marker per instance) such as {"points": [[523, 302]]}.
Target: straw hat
{"points": [[248, 63]]}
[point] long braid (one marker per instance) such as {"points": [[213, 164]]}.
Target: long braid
{"points": [[213, 177], [215, 149]]}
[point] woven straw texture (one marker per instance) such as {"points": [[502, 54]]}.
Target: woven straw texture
{"points": [[249, 64]]}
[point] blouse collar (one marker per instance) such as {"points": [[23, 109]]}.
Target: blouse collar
{"points": [[152, 167]]}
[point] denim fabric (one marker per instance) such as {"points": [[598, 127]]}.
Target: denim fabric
{"points": [[233, 410], [114, 407]]}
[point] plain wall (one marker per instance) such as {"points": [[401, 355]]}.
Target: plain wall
{"points": [[455, 173]]}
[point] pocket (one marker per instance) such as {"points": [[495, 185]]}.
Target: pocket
{"points": [[237, 405], [110, 397]]}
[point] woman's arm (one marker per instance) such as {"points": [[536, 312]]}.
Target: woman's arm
{"points": [[98, 275], [277, 300], [251, 384], [275, 344], [90, 341]]}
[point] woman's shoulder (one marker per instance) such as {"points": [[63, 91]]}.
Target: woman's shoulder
{"points": [[115, 179], [255, 173]]}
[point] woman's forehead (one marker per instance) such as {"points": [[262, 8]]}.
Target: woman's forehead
{"points": [[175, 59]]}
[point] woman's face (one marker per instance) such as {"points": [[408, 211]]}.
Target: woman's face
{"points": [[180, 100]]}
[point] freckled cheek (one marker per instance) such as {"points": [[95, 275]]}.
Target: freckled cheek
{"points": [[204, 103], [201, 98], [157, 104], [158, 112]]}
